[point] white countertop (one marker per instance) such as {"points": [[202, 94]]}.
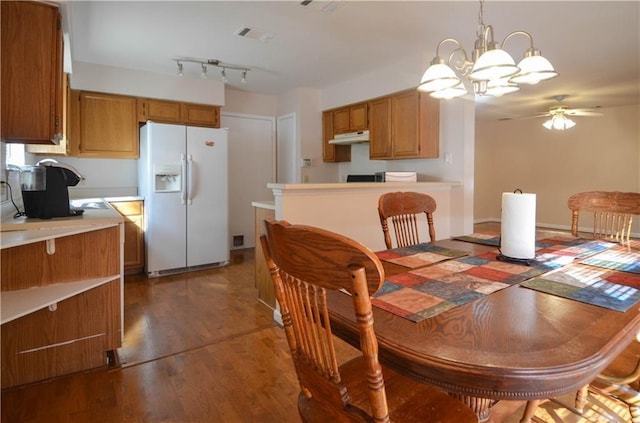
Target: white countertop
{"points": [[363, 185], [104, 215], [270, 204]]}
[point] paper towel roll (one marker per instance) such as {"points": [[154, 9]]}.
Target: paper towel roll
{"points": [[518, 228]]}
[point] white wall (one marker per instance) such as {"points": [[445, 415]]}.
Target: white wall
{"points": [[599, 153]]}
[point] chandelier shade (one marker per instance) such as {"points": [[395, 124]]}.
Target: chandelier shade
{"points": [[534, 69], [451, 92], [438, 77], [492, 71], [493, 64], [500, 87]]}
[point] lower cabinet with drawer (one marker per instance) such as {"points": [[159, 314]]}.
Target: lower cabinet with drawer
{"points": [[61, 301], [133, 212]]}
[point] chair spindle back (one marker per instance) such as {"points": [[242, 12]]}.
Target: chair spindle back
{"points": [[403, 209], [613, 213], [304, 263]]}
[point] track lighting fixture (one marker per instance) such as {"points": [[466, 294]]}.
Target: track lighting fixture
{"points": [[211, 62]]}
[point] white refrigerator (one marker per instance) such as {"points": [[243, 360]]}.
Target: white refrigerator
{"points": [[182, 175]]}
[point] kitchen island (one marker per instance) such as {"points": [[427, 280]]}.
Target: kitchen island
{"points": [[351, 209], [61, 294]]}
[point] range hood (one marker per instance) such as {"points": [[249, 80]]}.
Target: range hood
{"points": [[351, 138]]}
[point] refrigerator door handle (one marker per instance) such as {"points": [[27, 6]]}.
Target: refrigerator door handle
{"points": [[183, 172], [190, 178]]}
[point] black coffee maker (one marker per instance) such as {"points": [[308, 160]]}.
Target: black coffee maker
{"points": [[44, 189]]}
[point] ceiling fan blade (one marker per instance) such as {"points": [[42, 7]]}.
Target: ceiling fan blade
{"points": [[525, 117], [539, 115], [583, 112]]}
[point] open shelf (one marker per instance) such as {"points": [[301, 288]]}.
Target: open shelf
{"points": [[15, 304]]}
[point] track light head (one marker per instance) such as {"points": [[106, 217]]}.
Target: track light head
{"points": [[212, 62]]}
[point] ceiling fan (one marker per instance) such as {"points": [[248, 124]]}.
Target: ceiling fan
{"points": [[560, 115]]}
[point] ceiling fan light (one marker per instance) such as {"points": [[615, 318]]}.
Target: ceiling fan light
{"points": [[534, 69], [438, 77], [559, 122], [449, 93], [493, 64]]}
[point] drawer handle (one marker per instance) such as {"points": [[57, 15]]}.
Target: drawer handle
{"points": [[51, 246]]}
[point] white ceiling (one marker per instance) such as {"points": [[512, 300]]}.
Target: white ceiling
{"points": [[595, 46]]}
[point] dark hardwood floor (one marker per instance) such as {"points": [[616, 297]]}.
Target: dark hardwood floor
{"points": [[199, 347]]}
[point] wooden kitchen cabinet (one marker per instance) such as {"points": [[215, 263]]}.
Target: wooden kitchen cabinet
{"points": [[201, 115], [103, 125], [380, 128], [61, 302], [166, 111], [352, 118], [415, 127], [133, 213], [159, 111], [32, 72], [331, 152], [62, 148]]}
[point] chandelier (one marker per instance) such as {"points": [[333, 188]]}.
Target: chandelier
{"points": [[212, 62], [491, 69], [559, 120]]}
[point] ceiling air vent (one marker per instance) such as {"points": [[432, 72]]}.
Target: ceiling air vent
{"points": [[254, 33], [326, 6]]}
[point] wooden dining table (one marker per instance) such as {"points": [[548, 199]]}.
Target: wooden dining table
{"points": [[514, 344]]}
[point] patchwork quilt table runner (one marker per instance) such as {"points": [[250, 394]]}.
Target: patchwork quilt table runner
{"points": [[419, 255], [426, 291], [610, 279]]}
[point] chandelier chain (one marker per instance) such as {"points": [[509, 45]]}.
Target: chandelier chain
{"points": [[480, 30]]}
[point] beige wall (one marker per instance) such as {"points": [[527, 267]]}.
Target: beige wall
{"points": [[237, 101], [599, 153], [110, 79]]}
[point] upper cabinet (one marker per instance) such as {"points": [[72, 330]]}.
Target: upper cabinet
{"points": [[331, 152], [166, 111], [103, 125], [62, 148], [32, 74], [405, 125], [201, 115], [380, 128], [350, 119]]}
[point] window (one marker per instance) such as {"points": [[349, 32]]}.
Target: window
{"points": [[15, 154]]}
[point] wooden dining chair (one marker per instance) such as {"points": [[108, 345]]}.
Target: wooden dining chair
{"points": [[305, 263], [621, 380], [612, 212], [404, 210]]}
